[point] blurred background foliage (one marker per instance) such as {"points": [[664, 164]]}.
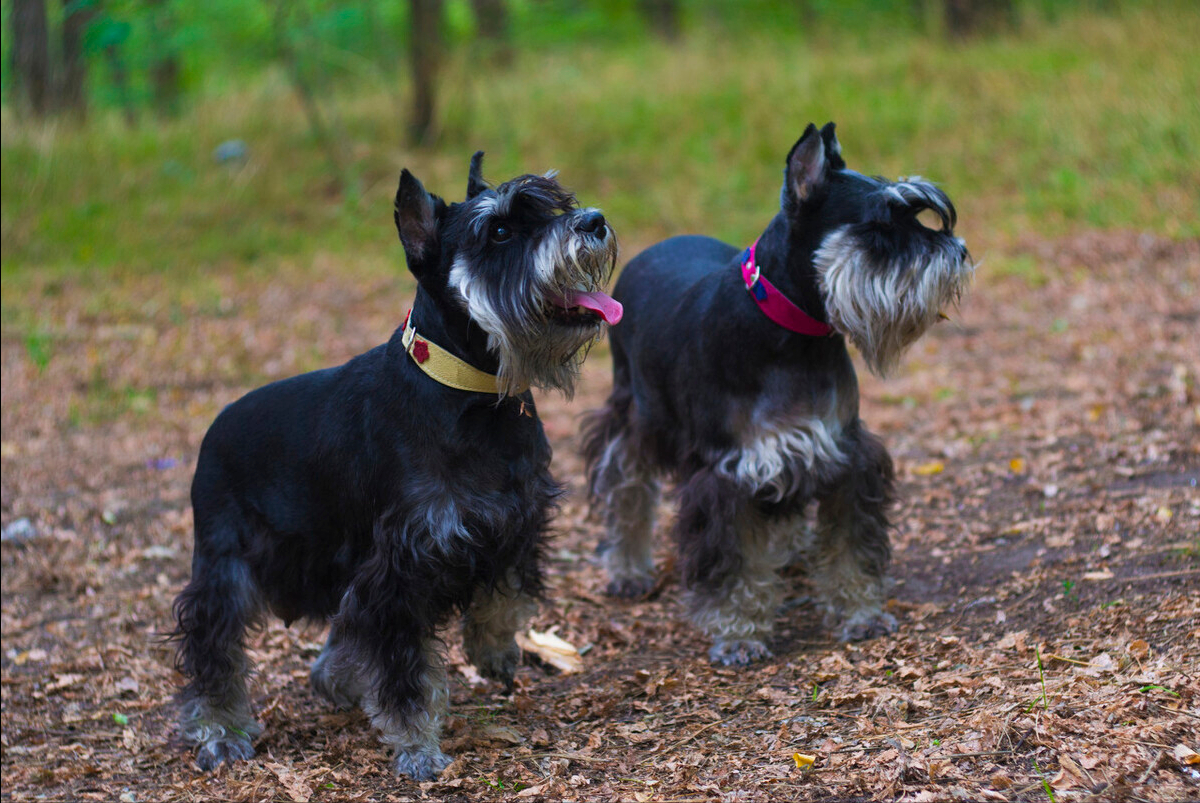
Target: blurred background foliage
{"points": [[189, 138]]}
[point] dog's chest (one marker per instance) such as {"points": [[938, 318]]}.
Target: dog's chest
{"points": [[483, 489], [778, 455]]}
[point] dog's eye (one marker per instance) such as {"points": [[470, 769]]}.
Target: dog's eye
{"points": [[499, 233], [930, 219]]}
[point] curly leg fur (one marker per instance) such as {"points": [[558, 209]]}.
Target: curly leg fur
{"points": [[730, 553], [626, 490], [212, 615], [853, 550], [490, 624], [334, 675], [413, 728]]}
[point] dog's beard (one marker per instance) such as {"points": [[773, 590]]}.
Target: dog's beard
{"points": [[533, 341], [884, 304]]}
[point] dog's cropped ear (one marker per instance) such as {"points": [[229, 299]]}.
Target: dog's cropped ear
{"points": [[416, 218], [475, 182], [833, 148], [807, 166]]}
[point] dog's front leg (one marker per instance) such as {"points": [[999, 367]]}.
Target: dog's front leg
{"points": [[853, 549], [489, 627], [385, 635], [335, 675], [407, 701], [729, 560]]}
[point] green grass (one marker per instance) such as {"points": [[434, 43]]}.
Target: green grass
{"points": [[1091, 122]]}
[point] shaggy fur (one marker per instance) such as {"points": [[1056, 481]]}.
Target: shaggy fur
{"points": [[753, 421], [373, 497]]}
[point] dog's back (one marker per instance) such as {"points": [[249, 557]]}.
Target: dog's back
{"points": [[283, 480], [732, 377], [407, 485]]}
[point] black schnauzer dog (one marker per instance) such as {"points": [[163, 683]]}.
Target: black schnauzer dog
{"points": [[731, 376], [409, 484]]}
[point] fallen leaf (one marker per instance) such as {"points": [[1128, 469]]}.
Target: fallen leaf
{"points": [[803, 761], [560, 654], [927, 469], [294, 786], [499, 733], [65, 681], [1064, 780], [1017, 465], [1185, 755]]}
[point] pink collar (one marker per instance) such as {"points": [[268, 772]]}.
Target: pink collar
{"points": [[774, 304]]}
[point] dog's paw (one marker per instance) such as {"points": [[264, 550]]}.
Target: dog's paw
{"points": [[421, 765], [499, 665], [226, 749], [738, 653], [631, 587], [867, 626]]}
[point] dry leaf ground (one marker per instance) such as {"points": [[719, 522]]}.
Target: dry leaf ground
{"points": [[1048, 449]]}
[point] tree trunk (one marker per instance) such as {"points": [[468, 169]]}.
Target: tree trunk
{"points": [[425, 48], [491, 17], [164, 67], [329, 134], [965, 18], [31, 56], [663, 17], [73, 93], [120, 79]]}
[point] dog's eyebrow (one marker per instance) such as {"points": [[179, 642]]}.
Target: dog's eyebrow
{"points": [[487, 206], [915, 191], [539, 193]]}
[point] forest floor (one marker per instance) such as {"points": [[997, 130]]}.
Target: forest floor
{"points": [[1046, 570]]}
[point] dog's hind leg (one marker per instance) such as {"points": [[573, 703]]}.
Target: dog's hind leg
{"points": [[212, 614], [625, 489], [730, 554], [853, 550], [489, 627]]}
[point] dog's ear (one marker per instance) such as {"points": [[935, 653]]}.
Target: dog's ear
{"points": [[807, 166], [416, 218], [833, 148], [475, 182]]}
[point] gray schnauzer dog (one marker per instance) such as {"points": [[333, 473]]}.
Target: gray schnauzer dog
{"points": [[731, 377], [409, 484]]}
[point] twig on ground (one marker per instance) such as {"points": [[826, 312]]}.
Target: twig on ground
{"points": [[1150, 769], [682, 742]]}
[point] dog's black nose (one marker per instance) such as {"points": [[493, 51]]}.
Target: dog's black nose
{"points": [[591, 223]]}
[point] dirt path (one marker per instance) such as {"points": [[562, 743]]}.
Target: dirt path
{"points": [[1048, 443]]}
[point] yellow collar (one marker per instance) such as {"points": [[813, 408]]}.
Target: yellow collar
{"points": [[444, 367]]}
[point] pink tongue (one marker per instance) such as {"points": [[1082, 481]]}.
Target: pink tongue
{"points": [[603, 305]]}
